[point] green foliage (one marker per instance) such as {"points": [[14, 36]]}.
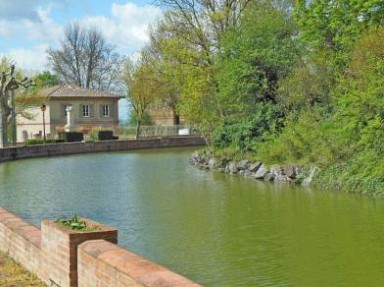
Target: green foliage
{"points": [[41, 141], [281, 81], [93, 135], [344, 136], [146, 119], [46, 79], [255, 56], [75, 223], [334, 26], [242, 135], [309, 83]]}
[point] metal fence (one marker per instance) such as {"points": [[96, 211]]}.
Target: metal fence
{"points": [[156, 131]]}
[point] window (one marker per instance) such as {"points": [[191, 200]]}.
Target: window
{"points": [[105, 110], [86, 111]]}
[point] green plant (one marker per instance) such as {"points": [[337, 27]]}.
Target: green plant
{"points": [[74, 223], [41, 141], [93, 135]]}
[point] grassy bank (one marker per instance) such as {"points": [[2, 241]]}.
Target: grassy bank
{"points": [[12, 274]]}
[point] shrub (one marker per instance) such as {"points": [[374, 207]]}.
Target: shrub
{"points": [[106, 135], [41, 141], [72, 136]]}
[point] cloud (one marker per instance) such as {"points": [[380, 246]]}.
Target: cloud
{"points": [[29, 27], [29, 59], [43, 28], [128, 25], [24, 9]]}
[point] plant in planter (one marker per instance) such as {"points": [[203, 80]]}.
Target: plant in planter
{"points": [[60, 241], [75, 223]]}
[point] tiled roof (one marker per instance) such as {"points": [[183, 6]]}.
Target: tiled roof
{"points": [[73, 91]]}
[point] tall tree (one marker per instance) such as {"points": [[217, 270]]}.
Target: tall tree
{"points": [[141, 88], [85, 59], [14, 100]]}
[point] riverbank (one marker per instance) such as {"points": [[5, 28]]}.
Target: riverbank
{"points": [[12, 274], [256, 170], [332, 178]]}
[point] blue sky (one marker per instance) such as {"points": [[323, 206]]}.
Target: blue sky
{"points": [[29, 27]]}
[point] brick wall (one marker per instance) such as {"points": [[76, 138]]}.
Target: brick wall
{"points": [[67, 258], [14, 153], [21, 241], [59, 248], [110, 265]]}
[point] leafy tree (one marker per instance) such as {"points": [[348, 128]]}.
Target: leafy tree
{"points": [[255, 56], [141, 89], [46, 79], [334, 25], [309, 83], [85, 59]]}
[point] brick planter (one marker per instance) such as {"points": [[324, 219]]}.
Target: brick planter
{"points": [[59, 247]]}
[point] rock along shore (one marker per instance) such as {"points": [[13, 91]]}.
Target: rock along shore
{"points": [[255, 170]]}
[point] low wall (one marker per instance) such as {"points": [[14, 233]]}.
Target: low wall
{"points": [[21, 241], [65, 258], [13, 153], [112, 265]]}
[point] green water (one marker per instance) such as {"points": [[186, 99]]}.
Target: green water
{"points": [[215, 229]]}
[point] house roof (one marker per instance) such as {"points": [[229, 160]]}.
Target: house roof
{"points": [[73, 91]]}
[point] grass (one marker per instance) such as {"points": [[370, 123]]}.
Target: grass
{"points": [[13, 275]]}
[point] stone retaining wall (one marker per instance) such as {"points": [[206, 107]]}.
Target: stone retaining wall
{"points": [[14, 153], [65, 258]]}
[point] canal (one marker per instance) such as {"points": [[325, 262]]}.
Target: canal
{"points": [[215, 229]]}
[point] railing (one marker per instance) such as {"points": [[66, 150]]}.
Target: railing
{"points": [[157, 131]]}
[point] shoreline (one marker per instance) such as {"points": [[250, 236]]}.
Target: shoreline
{"points": [[285, 173], [326, 178]]}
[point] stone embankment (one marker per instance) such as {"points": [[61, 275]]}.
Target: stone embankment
{"points": [[22, 152], [255, 170]]}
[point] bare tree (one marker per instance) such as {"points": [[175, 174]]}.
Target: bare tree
{"points": [[85, 59]]}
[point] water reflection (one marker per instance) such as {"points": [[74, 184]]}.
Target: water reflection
{"points": [[218, 230]]}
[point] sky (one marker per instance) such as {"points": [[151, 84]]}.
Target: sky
{"points": [[29, 27]]}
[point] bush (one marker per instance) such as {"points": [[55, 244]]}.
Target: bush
{"points": [[72, 136], [242, 135], [106, 135], [41, 141]]}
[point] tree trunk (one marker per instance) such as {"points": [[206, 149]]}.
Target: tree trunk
{"points": [[138, 124], [4, 131]]}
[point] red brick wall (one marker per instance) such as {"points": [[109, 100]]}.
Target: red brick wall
{"points": [[21, 241], [110, 265], [59, 247], [66, 258]]}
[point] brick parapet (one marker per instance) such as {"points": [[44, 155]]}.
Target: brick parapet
{"points": [[22, 241], [59, 246], [112, 265], [66, 258]]}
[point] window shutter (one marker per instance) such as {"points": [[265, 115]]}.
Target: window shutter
{"points": [[91, 111], [62, 111], [81, 111], [112, 110], [101, 110]]}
